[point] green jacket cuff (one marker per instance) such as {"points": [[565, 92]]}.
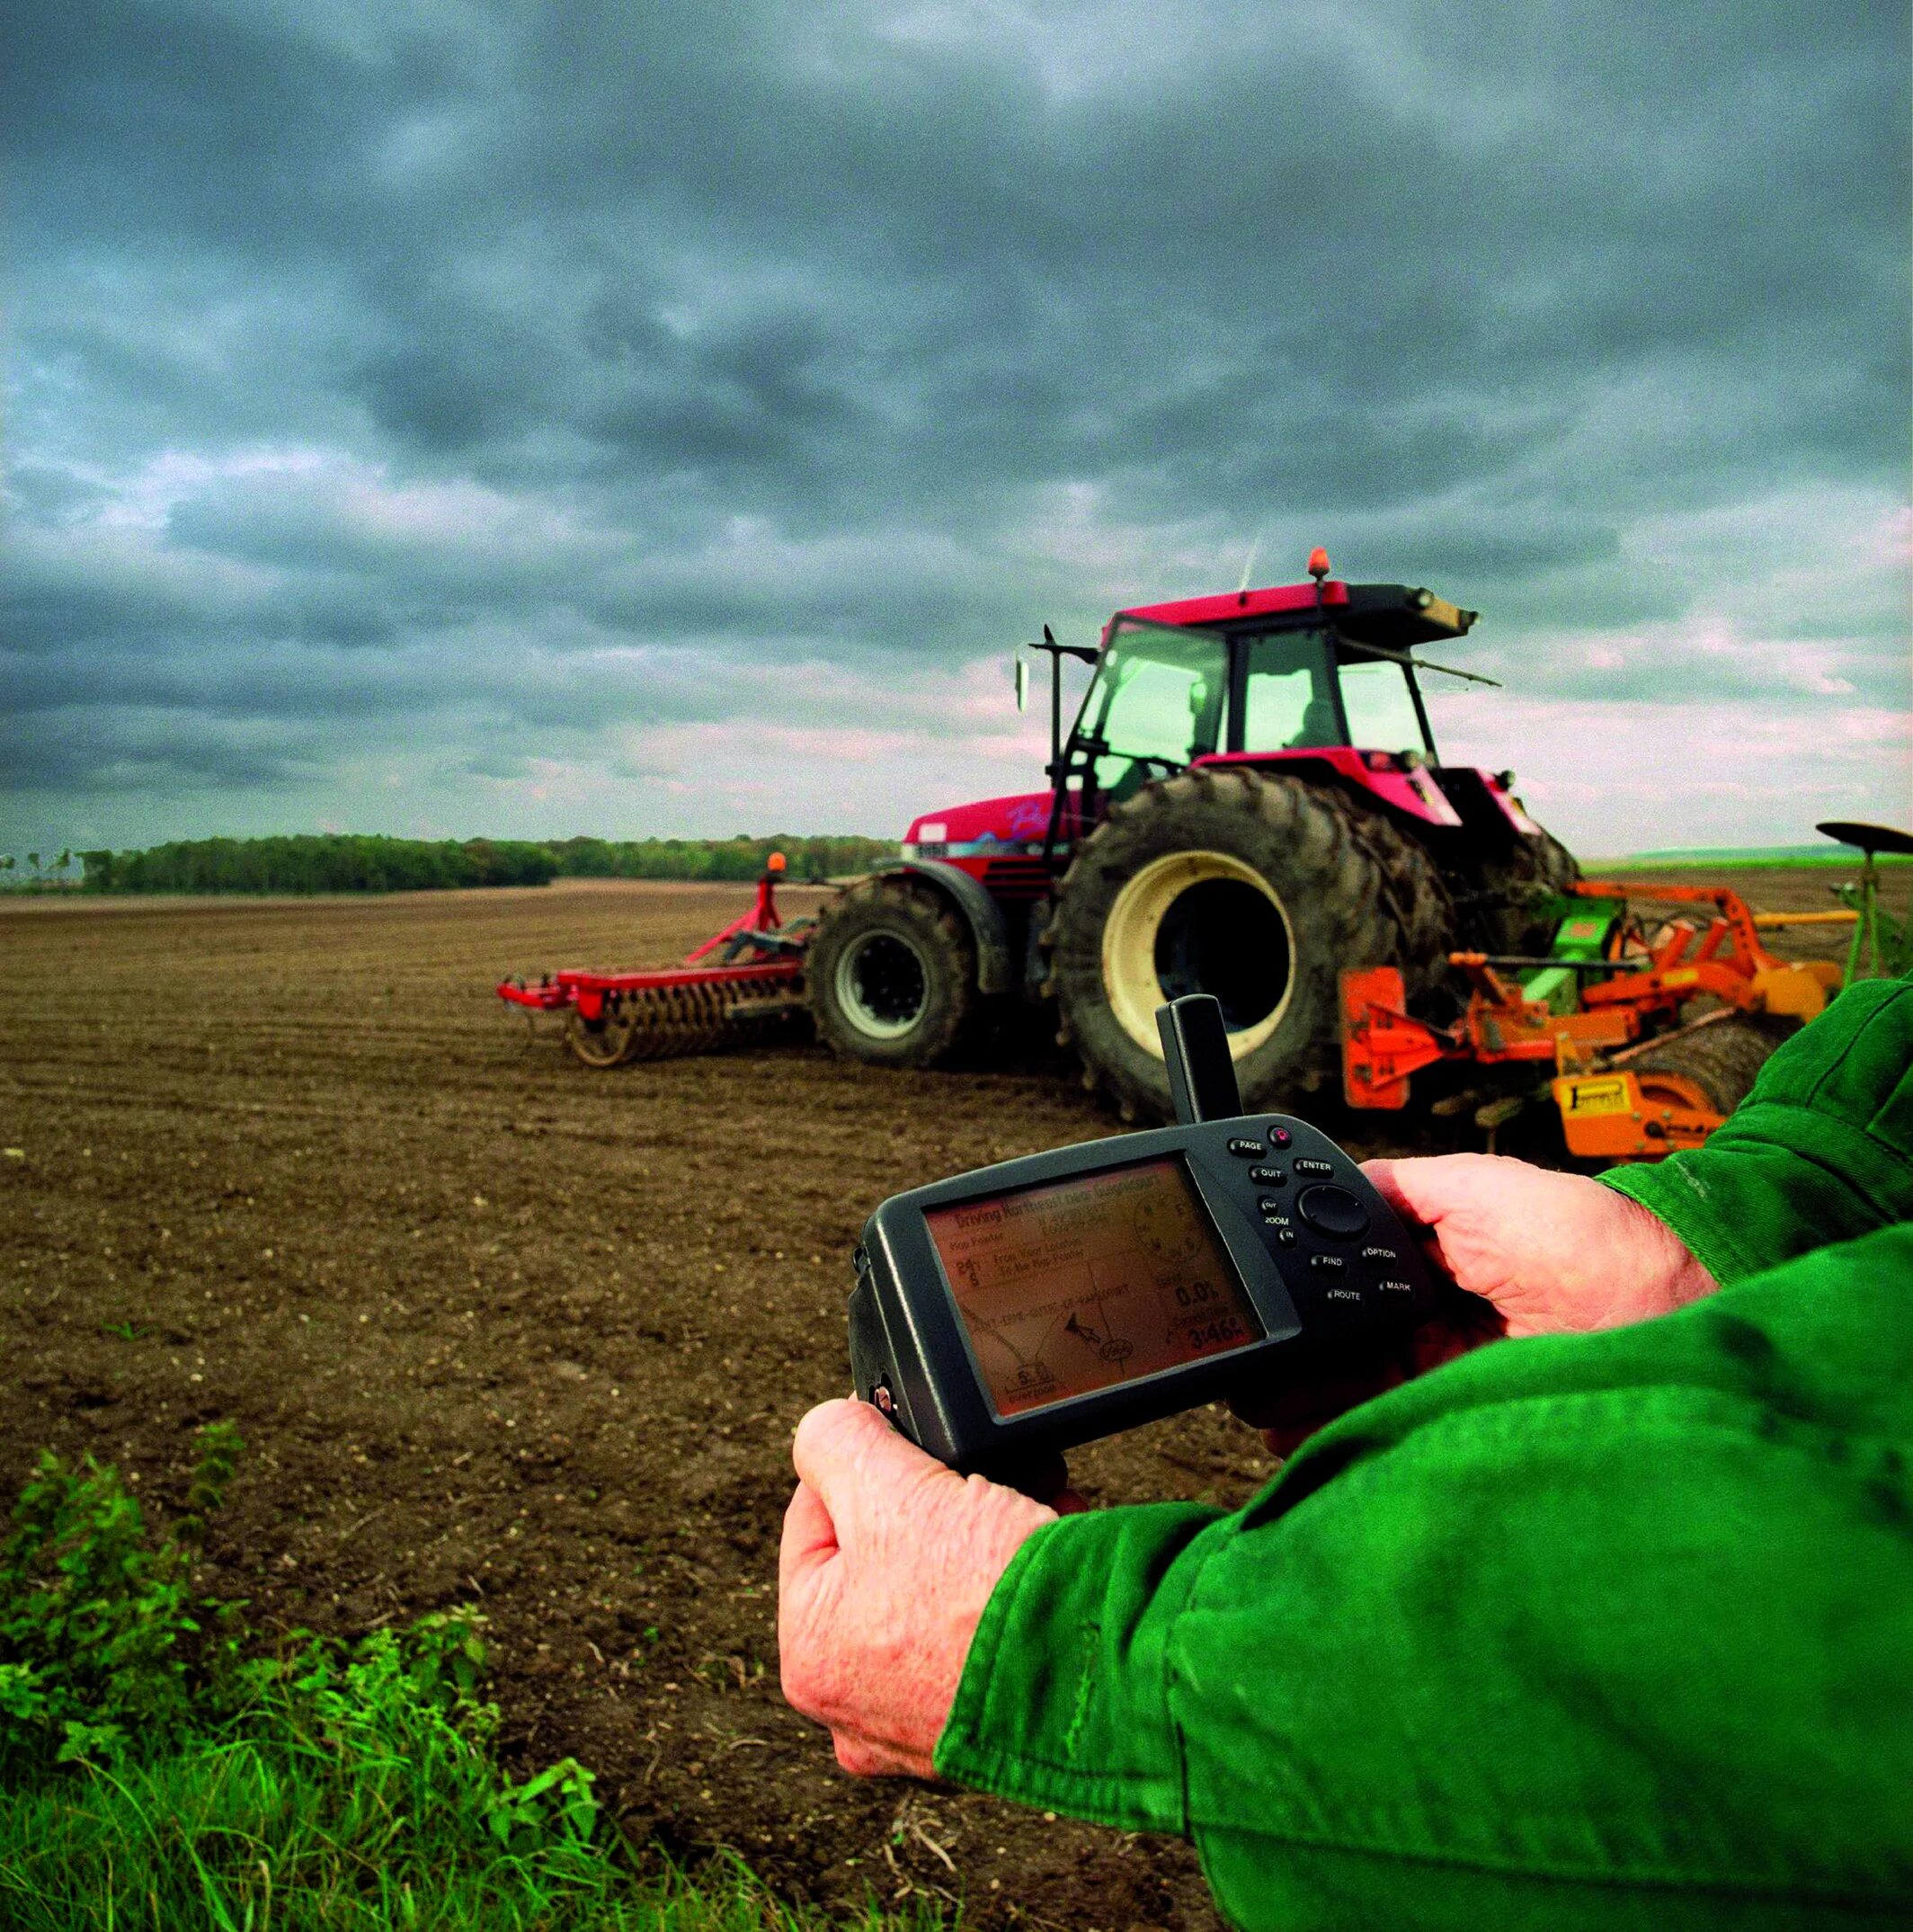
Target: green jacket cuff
{"points": [[1820, 1152], [1065, 1692]]}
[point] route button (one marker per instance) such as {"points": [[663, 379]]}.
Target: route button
{"points": [[1332, 1211]]}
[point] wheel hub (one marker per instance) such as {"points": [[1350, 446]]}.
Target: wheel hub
{"points": [[883, 984]]}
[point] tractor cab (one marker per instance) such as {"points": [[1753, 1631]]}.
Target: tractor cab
{"points": [[1256, 675]]}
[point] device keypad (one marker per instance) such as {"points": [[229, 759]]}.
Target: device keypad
{"points": [[1339, 1281]]}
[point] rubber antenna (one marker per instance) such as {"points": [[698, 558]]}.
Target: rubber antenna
{"points": [[1201, 1072]]}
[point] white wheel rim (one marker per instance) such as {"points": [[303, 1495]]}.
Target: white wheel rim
{"points": [[862, 995], [1134, 922]]}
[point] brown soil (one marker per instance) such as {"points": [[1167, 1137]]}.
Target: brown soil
{"points": [[501, 1330]]}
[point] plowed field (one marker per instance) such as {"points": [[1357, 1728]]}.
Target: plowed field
{"points": [[499, 1330]]}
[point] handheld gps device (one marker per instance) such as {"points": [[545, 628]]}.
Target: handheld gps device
{"points": [[1029, 1307]]}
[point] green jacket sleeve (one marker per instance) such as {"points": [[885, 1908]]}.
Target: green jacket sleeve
{"points": [[1598, 1631], [1821, 1151]]}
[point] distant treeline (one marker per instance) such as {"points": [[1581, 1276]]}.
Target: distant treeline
{"points": [[345, 862], [741, 858]]}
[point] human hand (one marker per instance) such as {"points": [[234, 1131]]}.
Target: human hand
{"points": [[1535, 1253], [1556, 1254], [887, 1560]]}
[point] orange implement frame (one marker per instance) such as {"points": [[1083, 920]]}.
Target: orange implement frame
{"points": [[1633, 1004]]}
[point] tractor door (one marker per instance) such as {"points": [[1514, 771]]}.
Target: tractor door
{"points": [[1156, 705], [1284, 692]]}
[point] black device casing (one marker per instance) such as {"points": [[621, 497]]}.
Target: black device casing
{"points": [[1325, 1307]]}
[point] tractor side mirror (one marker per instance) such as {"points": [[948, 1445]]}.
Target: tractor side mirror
{"points": [[1022, 681]]}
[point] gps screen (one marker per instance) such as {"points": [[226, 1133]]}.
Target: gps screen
{"points": [[1077, 1285]]}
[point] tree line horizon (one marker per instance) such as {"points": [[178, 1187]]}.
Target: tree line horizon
{"points": [[343, 862]]}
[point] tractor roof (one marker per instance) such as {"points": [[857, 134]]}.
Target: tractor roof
{"points": [[1396, 615]]}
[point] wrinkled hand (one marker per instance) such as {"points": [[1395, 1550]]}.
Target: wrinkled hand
{"points": [[1545, 1253], [887, 1560], [1557, 1254]]}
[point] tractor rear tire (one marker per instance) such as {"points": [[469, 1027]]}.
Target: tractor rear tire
{"points": [[892, 973], [1258, 889], [1517, 892], [1721, 1060]]}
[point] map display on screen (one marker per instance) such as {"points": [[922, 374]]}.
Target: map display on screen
{"points": [[1078, 1285]]}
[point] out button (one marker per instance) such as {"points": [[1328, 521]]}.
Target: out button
{"points": [[1334, 1211]]}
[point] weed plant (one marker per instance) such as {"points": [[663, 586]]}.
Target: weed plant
{"points": [[161, 1767]]}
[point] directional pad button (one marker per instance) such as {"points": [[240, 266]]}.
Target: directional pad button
{"points": [[1332, 1211]]}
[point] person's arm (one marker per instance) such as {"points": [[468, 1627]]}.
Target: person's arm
{"points": [[1821, 1151], [1591, 1631]]}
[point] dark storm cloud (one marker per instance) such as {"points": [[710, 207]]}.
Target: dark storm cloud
{"points": [[377, 374]]}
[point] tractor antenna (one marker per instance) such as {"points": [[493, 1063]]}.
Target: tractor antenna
{"points": [[1255, 544]]}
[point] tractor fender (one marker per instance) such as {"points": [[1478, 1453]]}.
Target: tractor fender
{"points": [[980, 912]]}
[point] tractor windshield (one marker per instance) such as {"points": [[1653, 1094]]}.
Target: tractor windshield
{"points": [[1156, 703]]}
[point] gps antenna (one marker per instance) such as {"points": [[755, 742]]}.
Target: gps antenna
{"points": [[1195, 1046]]}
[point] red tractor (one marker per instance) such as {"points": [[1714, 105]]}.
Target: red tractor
{"points": [[1248, 801]]}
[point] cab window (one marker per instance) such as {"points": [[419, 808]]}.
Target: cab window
{"points": [[1158, 703], [1287, 703], [1381, 710]]}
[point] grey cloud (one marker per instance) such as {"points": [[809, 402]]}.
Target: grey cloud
{"points": [[784, 342]]}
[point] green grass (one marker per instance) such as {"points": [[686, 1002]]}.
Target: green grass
{"points": [[161, 1767], [1832, 859]]}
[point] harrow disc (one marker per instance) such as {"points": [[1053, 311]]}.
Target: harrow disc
{"points": [[671, 1022], [604, 1041]]}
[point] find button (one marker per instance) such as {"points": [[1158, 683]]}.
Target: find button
{"points": [[1333, 1211]]}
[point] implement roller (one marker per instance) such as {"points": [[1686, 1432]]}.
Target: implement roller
{"points": [[755, 992]]}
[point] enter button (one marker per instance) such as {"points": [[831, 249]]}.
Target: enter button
{"points": [[1333, 1211]]}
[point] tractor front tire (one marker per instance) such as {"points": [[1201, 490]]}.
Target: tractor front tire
{"points": [[1260, 890], [891, 973]]}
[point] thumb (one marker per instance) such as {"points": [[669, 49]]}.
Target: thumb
{"points": [[852, 1458], [1425, 1189]]}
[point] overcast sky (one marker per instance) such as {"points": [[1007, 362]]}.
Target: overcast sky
{"points": [[664, 417]]}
